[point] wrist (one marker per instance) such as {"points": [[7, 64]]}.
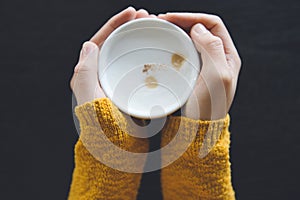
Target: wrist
{"points": [[202, 113]]}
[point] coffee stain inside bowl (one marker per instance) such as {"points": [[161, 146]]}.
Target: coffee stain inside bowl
{"points": [[151, 82], [147, 67], [177, 60], [154, 67]]}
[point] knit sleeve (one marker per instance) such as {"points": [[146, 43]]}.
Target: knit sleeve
{"points": [[203, 171], [92, 178]]}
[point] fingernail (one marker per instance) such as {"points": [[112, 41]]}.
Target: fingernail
{"points": [[161, 15], [200, 29]]}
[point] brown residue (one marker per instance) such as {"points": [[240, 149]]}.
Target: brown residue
{"points": [[177, 60], [147, 67], [151, 82]]}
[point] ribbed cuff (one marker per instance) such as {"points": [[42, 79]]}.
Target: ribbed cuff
{"points": [[86, 114], [101, 113], [101, 116], [204, 134]]}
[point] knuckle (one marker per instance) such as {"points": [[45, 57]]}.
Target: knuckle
{"points": [[81, 67], [72, 84], [112, 24], [217, 19], [77, 69], [214, 43], [239, 62]]}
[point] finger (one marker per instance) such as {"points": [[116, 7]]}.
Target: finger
{"points": [[142, 13], [152, 16], [117, 20], [213, 23]]}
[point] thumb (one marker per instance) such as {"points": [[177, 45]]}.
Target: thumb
{"points": [[210, 46], [84, 82], [212, 52], [88, 58], [214, 72]]}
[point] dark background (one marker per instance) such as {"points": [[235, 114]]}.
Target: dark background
{"points": [[39, 45]]}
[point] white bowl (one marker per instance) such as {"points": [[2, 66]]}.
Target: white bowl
{"points": [[148, 67]]}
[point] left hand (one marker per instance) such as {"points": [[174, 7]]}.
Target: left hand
{"points": [[85, 83]]}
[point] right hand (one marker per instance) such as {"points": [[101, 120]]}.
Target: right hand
{"points": [[217, 82]]}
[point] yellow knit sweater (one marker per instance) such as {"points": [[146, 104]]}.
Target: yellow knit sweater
{"points": [[194, 175]]}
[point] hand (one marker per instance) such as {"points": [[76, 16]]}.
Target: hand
{"points": [[85, 83], [217, 82]]}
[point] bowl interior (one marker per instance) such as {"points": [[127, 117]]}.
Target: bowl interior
{"points": [[148, 68]]}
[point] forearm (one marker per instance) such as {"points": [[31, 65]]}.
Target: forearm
{"points": [[91, 178]]}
